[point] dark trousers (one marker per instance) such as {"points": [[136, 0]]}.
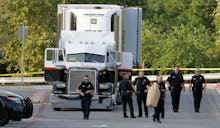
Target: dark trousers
{"points": [[158, 109], [175, 95], [127, 99], [141, 98], [162, 108], [85, 104], [197, 94]]}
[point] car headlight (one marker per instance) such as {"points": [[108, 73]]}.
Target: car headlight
{"points": [[15, 99]]}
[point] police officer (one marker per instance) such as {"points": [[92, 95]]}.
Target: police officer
{"points": [[160, 106], [162, 88], [198, 85], [141, 83], [176, 83], [126, 91], [85, 89]]}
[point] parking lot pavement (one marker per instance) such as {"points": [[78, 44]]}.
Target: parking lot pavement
{"points": [[45, 117], [36, 93]]}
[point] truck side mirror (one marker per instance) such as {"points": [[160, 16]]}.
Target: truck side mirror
{"points": [[118, 64]]}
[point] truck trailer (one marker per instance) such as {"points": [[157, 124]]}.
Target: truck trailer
{"points": [[101, 41]]}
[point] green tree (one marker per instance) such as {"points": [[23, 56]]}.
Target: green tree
{"points": [[215, 52], [175, 32], [182, 33], [40, 17]]}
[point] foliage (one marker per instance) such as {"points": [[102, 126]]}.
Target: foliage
{"points": [[175, 32], [39, 17], [181, 31]]}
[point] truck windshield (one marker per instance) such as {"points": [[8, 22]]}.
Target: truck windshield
{"points": [[86, 57]]}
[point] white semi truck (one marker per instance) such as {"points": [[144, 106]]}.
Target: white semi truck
{"points": [[101, 41]]}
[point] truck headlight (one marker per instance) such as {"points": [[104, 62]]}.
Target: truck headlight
{"points": [[104, 86], [60, 85]]}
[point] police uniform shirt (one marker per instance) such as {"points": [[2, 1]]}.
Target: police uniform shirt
{"points": [[141, 83], [83, 87], [125, 87], [175, 80], [162, 86], [197, 81]]}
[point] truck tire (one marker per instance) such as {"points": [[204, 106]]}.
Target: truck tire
{"points": [[5, 118], [28, 107]]}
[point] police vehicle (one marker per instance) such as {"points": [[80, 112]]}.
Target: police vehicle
{"points": [[14, 107]]}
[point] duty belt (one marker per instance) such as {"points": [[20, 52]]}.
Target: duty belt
{"points": [[126, 91], [139, 91]]}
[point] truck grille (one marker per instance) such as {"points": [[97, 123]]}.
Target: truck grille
{"points": [[76, 77]]}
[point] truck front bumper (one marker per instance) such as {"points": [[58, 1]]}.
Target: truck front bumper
{"points": [[73, 101]]}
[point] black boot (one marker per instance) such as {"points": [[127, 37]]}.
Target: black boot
{"points": [[162, 115], [125, 115], [158, 121], [158, 118], [154, 118], [132, 116]]}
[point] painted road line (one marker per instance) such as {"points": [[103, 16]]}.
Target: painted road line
{"points": [[100, 126]]}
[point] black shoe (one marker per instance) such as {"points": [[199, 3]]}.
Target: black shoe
{"points": [[133, 117], [86, 118], [125, 116], [146, 116], [162, 116], [175, 110], [139, 116], [158, 121], [197, 111]]}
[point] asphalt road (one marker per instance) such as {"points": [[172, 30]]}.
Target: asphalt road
{"points": [[45, 117]]}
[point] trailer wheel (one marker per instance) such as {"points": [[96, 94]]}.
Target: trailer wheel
{"points": [[28, 108], [5, 118]]}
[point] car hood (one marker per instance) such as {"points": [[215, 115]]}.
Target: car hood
{"points": [[7, 93]]}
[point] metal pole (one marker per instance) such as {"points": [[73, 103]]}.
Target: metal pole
{"points": [[137, 44], [22, 56]]}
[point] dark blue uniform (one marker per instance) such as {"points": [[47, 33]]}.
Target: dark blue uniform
{"points": [[142, 83], [162, 97], [126, 90], [197, 81], [160, 106], [86, 99], [175, 80]]}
